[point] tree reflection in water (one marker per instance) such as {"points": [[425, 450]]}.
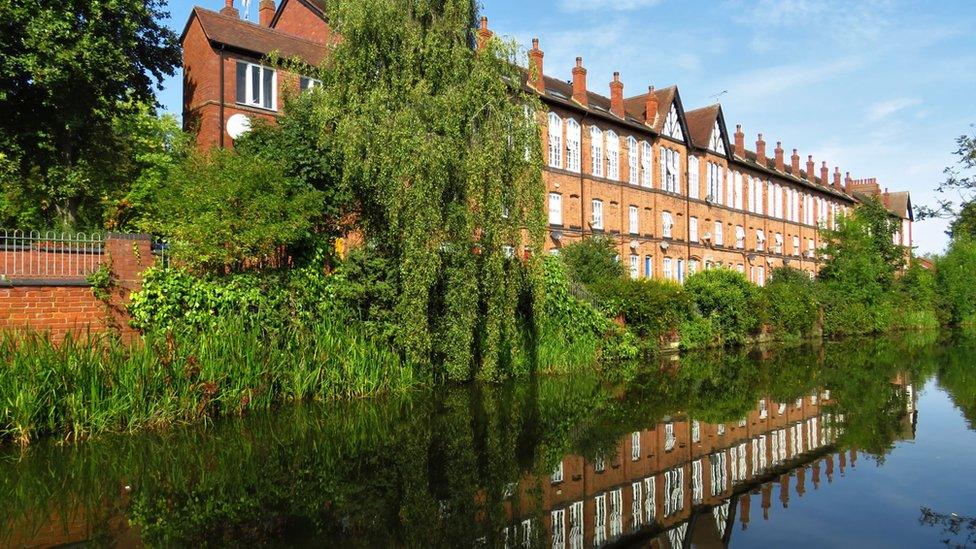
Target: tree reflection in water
{"points": [[474, 464]]}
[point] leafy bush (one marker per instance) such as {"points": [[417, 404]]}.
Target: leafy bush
{"points": [[954, 276], [227, 212], [651, 308], [791, 304], [565, 309], [592, 260], [697, 333], [728, 299]]}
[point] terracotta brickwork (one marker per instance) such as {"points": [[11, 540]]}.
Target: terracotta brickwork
{"points": [[62, 305]]}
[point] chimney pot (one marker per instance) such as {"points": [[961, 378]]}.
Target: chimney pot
{"points": [[536, 73], [795, 164], [779, 156], [579, 83], [837, 178], [761, 151], [650, 107], [740, 141], [266, 11], [229, 9], [824, 174], [484, 34], [810, 165], [617, 96]]}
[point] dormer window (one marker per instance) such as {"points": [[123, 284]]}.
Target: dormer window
{"points": [[257, 86], [672, 126], [715, 142]]}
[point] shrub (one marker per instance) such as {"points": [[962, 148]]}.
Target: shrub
{"points": [[728, 299], [592, 260], [954, 273], [651, 308], [697, 333], [791, 305], [227, 212]]}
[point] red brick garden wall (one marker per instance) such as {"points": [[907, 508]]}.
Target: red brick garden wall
{"points": [[60, 305]]}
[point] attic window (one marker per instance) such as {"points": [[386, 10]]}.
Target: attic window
{"points": [[557, 94], [716, 143], [672, 126]]}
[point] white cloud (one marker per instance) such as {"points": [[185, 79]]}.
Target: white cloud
{"points": [[884, 109], [576, 6]]}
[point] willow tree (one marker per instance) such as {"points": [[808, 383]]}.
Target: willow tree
{"points": [[437, 140]]}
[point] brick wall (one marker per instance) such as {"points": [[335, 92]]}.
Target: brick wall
{"points": [[61, 305]]}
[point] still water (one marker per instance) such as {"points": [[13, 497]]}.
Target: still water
{"points": [[866, 443]]}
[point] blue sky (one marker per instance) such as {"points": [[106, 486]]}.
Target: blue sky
{"points": [[880, 88]]}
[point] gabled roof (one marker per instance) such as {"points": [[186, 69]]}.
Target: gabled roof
{"points": [[900, 204], [560, 91], [315, 6], [245, 36], [702, 121], [665, 97]]}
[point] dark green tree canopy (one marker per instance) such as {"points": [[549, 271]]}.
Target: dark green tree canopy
{"points": [[67, 69]]}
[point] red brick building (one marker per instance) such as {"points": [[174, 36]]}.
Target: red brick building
{"points": [[673, 187]]}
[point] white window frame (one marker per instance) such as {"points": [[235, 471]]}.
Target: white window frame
{"points": [[667, 270], [694, 178], [633, 175], [596, 151], [260, 101], [740, 237], [633, 219], [718, 233], [667, 225], [647, 162], [613, 155], [693, 229], [596, 210], [555, 141], [572, 145], [555, 209], [634, 266]]}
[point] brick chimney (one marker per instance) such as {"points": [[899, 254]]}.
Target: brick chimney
{"points": [[778, 151], [229, 9], [579, 83], [484, 35], [650, 107], [795, 164], [761, 151], [836, 178], [824, 174], [535, 67], [266, 11], [847, 181], [617, 96], [740, 141], [810, 165]]}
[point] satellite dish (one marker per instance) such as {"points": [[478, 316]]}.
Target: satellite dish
{"points": [[238, 125]]}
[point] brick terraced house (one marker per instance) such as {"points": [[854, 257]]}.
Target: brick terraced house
{"points": [[670, 186]]}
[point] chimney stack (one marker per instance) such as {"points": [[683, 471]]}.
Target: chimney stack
{"points": [[535, 67], [810, 165], [650, 107], [795, 164], [779, 156], [824, 174], [847, 182], [266, 11], [836, 178], [484, 35], [761, 151], [579, 82], [229, 9], [740, 141], [617, 96]]}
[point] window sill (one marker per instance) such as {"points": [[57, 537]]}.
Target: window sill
{"points": [[256, 107]]}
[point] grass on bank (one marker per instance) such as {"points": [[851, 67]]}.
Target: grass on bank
{"points": [[96, 384]]}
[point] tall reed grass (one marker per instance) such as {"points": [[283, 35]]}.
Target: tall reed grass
{"points": [[93, 384]]}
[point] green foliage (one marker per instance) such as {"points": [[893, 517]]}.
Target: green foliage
{"points": [[954, 273], [592, 260], [227, 212], [101, 281], [728, 299], [430, 139], [790, 302], [564, 308], [652, 309], [858, 274], [698, 333], [72, 76], [81, 387]]}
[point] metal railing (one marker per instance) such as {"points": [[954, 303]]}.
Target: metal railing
{"points": [[49, 254]]}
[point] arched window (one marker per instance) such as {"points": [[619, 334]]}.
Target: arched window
{"points": [[572, 145], [632, 174], [613, 156], [555, 141], [596, 151]]}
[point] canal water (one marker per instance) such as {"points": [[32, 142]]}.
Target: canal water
{"points": [[866, 443]]}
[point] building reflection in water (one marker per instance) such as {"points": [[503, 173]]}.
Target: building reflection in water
{"points": [[684, 482]]}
